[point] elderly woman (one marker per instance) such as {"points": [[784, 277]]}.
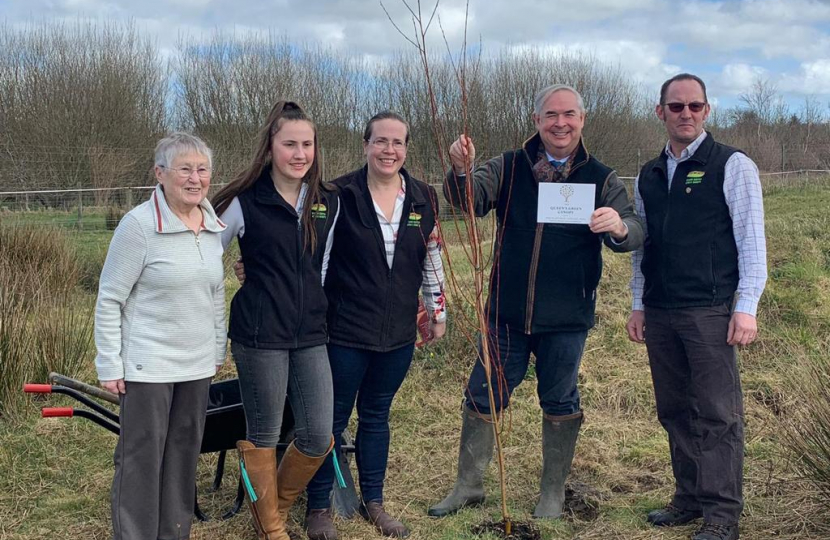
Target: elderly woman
{"points": [[160, 334]]}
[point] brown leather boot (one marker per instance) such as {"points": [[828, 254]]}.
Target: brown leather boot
{"points": [[260, 464], [319, 525], [295, 472], [374, 513]]}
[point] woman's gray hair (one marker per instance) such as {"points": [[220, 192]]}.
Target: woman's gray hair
{"points": [[542, 96], [180, 143]]}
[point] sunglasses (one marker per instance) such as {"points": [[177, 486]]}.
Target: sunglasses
{"points": [[695, 106]]}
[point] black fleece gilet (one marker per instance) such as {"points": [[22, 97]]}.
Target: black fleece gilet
{"points": [[282, 304], [372, 306], [690, 257]]}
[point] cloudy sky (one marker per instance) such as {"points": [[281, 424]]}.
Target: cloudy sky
{"points": [[728, 42]]}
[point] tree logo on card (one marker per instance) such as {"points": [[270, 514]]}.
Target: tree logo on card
{"points": [[566, 191]]}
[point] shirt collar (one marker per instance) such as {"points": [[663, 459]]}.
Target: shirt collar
{"points": [[165, 221], [687, 152], [558, 161]]}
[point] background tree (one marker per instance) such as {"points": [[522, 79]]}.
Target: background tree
{"points": [[74, 97]]}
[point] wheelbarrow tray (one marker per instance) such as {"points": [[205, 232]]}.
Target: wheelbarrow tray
{"points": [[224, 426], [225, 419]]}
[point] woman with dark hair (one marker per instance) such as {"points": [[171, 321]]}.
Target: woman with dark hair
{"points": [[386, 249], [283, 217]]}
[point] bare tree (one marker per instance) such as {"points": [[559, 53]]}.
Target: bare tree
{"points": [[82, 104], [67, 88], [764, 102], [811, 115]]}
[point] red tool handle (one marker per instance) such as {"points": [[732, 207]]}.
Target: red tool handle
{"points": [[32, 388], [54, 412]]}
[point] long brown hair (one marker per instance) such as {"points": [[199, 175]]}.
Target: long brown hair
{"points": [[282, 111]]}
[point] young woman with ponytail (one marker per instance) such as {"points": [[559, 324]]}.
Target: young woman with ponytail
{"points": [[282, 216]]}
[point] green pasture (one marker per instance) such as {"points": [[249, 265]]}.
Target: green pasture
{"points": [[55, 473]]}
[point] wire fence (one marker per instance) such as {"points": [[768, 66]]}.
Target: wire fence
{"points": [[103, 208]]}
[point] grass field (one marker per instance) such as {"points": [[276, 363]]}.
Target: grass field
{"points": [[55, 474]]}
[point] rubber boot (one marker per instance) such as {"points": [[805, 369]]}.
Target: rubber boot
{"points": [[559, 435], [260, 464], [295, 472], [474, 455]]}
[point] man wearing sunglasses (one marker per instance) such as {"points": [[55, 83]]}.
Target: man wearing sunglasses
{"points": [[696, 285]]}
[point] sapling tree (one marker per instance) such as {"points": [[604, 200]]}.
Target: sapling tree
{"points": [[471, 306]]}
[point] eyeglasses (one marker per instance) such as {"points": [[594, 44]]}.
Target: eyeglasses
{"points": [[695, 106], [185, 171], [382, 144]]}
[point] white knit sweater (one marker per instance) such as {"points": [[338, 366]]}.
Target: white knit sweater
{"points": [[160, 315]]}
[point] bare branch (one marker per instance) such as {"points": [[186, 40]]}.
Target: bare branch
{"points": [[401, 32]]}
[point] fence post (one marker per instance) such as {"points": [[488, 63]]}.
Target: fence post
{"points": [[80, 209], [782, 157], [129, 199]]}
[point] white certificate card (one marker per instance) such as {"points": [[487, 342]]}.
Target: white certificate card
{"points": [[565, 203]]}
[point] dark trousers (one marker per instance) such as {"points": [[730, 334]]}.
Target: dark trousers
{"points": [[154, 487], [699, 403], [373, 379], [558, 355]]}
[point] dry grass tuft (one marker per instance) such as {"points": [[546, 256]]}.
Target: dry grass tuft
{"points": [[45, 317]]}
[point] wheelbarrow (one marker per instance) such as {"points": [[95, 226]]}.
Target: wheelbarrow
{"points": [[224, 425]]}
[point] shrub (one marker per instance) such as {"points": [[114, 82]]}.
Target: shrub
{"points": [[43, 254], [808, 430], [44, 324]]}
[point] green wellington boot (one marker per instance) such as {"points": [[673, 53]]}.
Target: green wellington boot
{"points": [[559, 435], [474, 455]]}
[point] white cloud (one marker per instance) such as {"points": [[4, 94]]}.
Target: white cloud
{"points": [[375, 61], [453, 20], [812, 78], [83, 5], [644, 61], [330, 33], [775, 28], [785, 11], [728, 42], [190, 4], [817, 76], [737, 78]]}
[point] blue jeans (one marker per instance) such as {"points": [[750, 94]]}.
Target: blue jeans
{"points": [[557, 365], [266, 376], [373, 378]]}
